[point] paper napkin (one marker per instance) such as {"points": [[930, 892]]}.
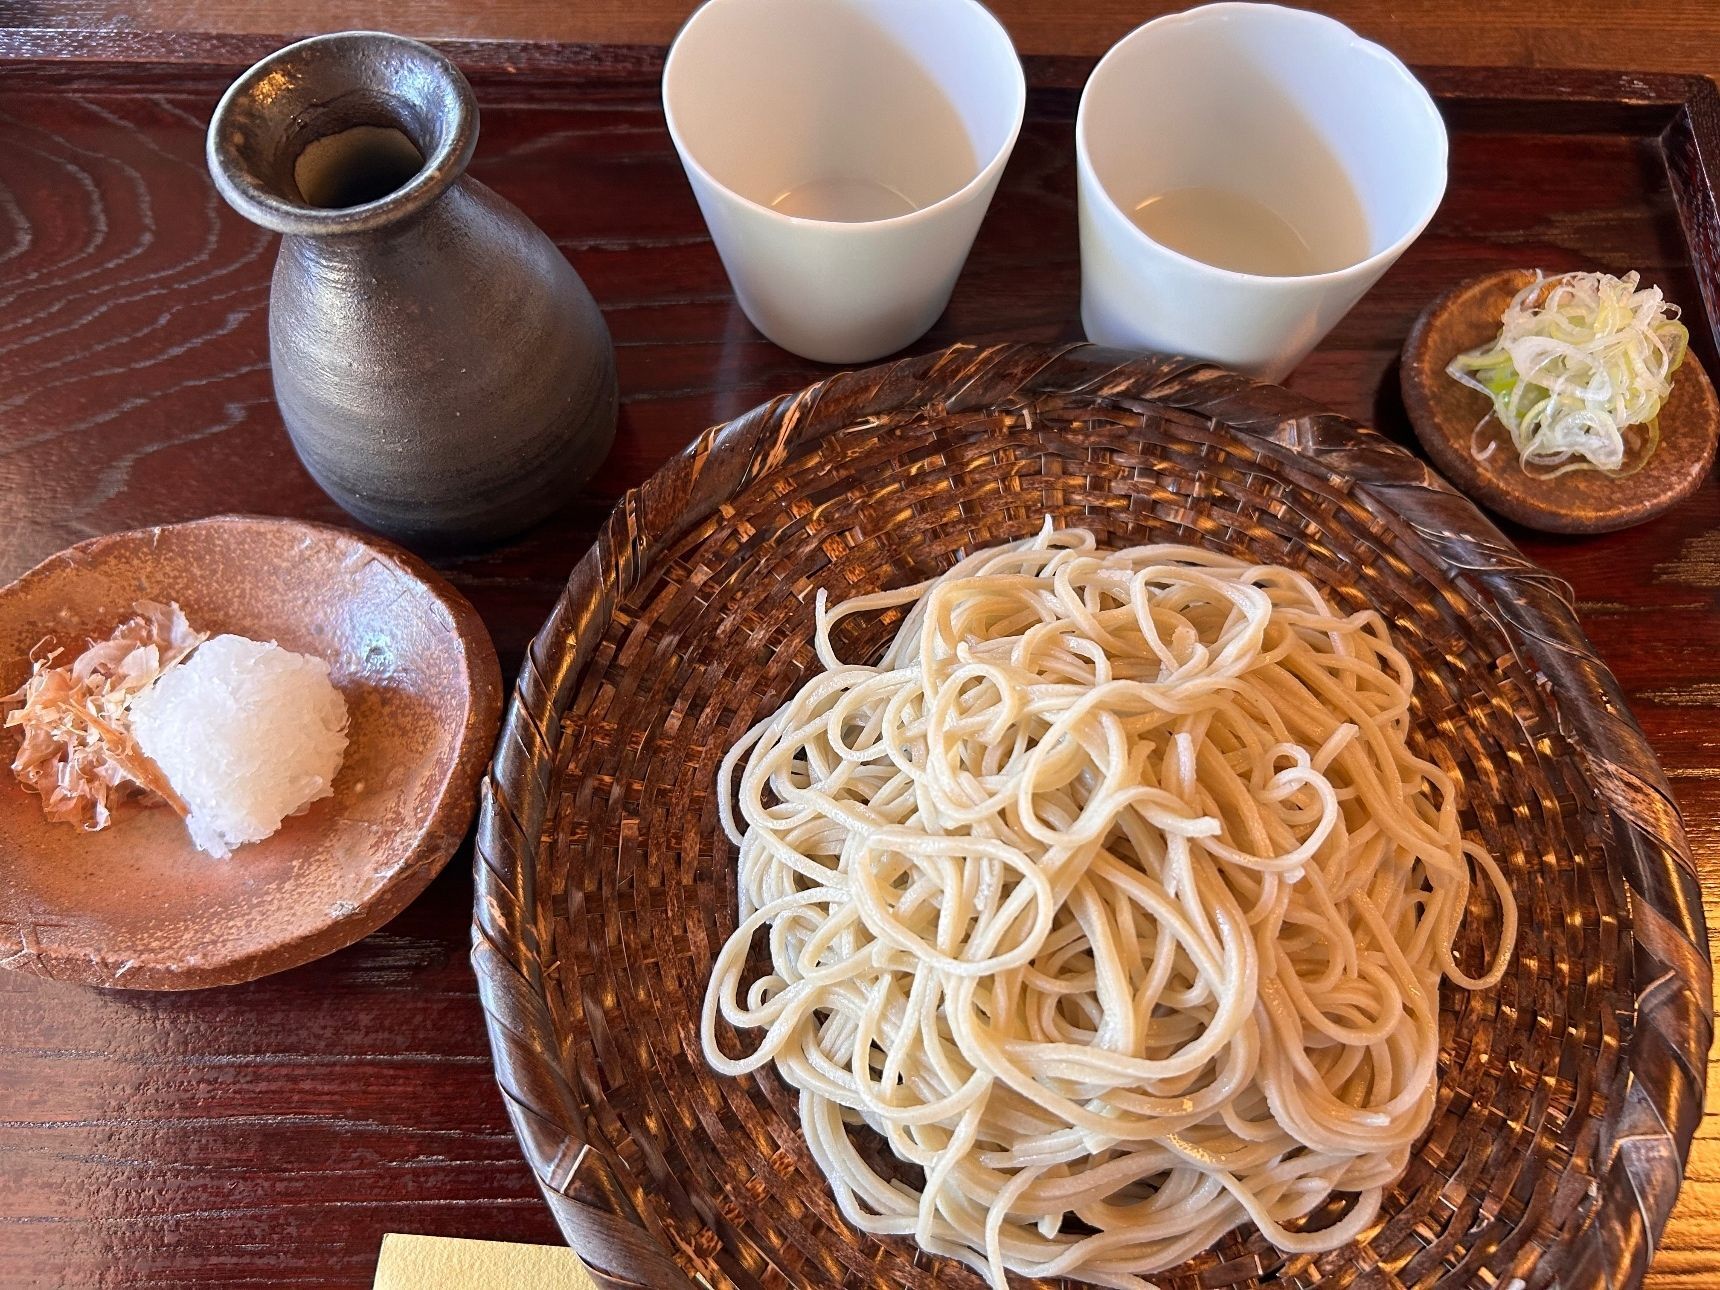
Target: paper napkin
{"points": [[445, 1263]]}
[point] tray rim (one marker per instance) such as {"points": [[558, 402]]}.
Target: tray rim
{"points": [[1673, 978], [594, 60]]}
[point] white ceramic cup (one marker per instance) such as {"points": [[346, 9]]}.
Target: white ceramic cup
{"points": [[896, 116], [1288, 108]]}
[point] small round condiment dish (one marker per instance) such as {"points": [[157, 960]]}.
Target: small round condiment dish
{"points": [[136, 905], [1445, 414]]}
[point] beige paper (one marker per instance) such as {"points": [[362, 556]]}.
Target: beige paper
{"points": [[446, 1263]]}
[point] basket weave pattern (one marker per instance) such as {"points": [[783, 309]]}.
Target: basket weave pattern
{"points": [[1568, 1095]]}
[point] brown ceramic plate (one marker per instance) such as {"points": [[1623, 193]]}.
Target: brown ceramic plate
{"points": [[136, 905], [1445, 414]]}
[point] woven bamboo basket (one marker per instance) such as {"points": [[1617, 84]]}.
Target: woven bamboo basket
{"points": [[1568, 1095]]}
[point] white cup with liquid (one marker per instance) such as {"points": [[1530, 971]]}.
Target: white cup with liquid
{"points": [[843, 153], [1245, 172]]}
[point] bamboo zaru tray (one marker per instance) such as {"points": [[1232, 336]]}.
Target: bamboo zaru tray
{"points": [[1568, 1095]]}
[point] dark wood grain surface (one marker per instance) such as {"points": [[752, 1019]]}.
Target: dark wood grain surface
{"points": [[1671, 35], [269, 1134]]}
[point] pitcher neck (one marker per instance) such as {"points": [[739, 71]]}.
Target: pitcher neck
{"points": [[347, 133]]}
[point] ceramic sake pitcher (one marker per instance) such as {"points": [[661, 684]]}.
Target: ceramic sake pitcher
{"points": [[442, 370]]}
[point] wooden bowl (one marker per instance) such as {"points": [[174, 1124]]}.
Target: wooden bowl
{"points": [[605, 886], [136, 905], [1445, 414]]}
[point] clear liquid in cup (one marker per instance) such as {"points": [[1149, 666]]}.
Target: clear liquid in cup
{"points": [[860, 174], [844, 199], [1231, 231]]}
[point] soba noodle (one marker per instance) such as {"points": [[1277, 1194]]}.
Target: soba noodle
{"points": [[1113, 898]]}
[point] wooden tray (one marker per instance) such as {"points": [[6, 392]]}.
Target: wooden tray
{"points": [[134, 323]]}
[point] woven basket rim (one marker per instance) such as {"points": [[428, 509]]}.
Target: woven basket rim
{"points": [[1648, 1124]]}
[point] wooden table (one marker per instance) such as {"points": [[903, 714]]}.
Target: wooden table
{"points": [[267, 1135], [1666, 35]]}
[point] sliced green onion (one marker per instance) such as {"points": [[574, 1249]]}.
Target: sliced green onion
{"points": [[1580, 359]]}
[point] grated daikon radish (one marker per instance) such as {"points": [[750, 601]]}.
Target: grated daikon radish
{"points": [[247, 734]]}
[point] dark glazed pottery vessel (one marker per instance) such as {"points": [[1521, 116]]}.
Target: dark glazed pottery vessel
{"points": [[442, 370]]}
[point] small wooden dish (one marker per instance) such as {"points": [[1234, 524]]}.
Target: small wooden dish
{"points": [[136, 905], [1445, 414]]}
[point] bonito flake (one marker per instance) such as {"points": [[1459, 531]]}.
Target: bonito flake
{"points": [[78, 751]]}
